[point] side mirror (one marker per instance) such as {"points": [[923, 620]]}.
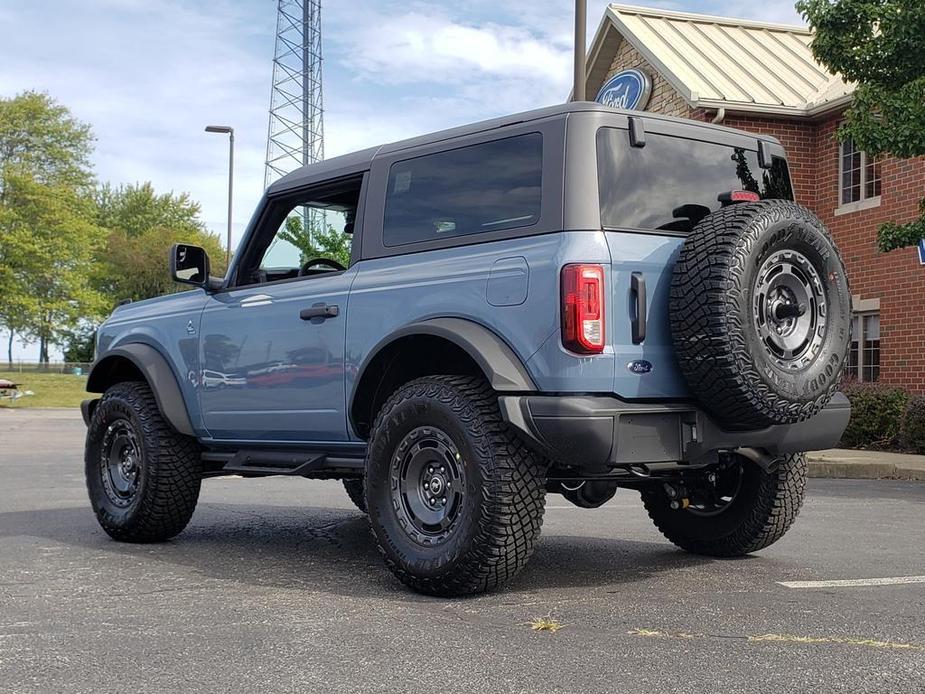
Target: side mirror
{"points": [[189, 265]]}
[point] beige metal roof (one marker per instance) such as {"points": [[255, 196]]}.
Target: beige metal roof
{"points": [[718, 62]]}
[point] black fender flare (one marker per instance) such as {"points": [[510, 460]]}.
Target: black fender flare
{"points": [[156, 370], [501, 366]]}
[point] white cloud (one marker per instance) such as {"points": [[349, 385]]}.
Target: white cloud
{"points": [[779, 11], [415, 47], [149, 77]]}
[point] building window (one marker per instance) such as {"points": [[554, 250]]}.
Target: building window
{"points": [[864, 357], [859, 175]]}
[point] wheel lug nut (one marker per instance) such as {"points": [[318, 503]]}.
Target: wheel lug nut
{"points": [[430, 470], [443, 501], [442, 469], [433, 500]]}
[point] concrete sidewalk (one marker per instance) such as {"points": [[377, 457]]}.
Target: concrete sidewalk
{"points": [[840, 463]]}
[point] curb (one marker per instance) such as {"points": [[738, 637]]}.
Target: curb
{"points": [[829, 469]]}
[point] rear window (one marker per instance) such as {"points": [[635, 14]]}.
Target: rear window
{"points": [[486, 187], [672, 183]]}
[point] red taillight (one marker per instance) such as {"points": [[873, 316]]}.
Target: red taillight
{"points": [[738, 196], [583, 308]]}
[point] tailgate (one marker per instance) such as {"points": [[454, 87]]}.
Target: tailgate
{"points": [[652, 256]]}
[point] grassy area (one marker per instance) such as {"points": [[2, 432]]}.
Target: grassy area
{"points": [[51, 389]]}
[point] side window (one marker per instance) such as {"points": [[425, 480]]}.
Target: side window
{"points": [[305, 236], [480, 188]]}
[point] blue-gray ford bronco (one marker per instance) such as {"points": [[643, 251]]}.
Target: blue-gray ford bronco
{"points": [[572, 300]]}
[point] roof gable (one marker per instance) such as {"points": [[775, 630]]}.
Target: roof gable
{"points": [[718, 62]]}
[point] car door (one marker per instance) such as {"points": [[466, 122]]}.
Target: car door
{"points": [[272, 345]]}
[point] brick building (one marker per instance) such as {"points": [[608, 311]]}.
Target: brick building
{"points": [[763, 78]]}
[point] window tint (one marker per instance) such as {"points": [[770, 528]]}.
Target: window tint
{"points": [[672, 183], [486, 187]]}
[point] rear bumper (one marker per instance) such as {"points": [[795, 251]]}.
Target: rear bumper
{"points": [[601, 431]]}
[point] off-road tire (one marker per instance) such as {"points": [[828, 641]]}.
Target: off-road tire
{"points": [[502, 507], [759, 515], [729, 366], [169, 470], [354, 489]]}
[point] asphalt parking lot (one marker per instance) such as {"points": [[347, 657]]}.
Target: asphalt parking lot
{"points": [[276, 586]]}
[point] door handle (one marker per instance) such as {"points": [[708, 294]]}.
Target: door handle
{"points": [[638, 323], [321, 311]]}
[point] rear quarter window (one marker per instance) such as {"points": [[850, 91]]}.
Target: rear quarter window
{"points": [[470, 190], [672, 183]]}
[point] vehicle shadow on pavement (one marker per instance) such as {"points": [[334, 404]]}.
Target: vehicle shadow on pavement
{"points": [[327, 550]]}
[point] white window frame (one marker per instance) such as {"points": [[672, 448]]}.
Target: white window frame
{"points": [[861, 309], [864, 203]]}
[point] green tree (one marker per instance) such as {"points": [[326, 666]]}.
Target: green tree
{"points": [[40, 137], [880, 45], [80, 344], [142, 226], [135, 209], [41, 144], [330, 243], [47, 255]]}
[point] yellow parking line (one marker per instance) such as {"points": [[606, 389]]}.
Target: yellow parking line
{"points": [[854, 582], [784, 638]]}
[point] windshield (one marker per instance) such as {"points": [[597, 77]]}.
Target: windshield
{"points": [[672, 183]]}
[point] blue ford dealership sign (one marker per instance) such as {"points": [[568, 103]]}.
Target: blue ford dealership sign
{"points": [[628, 89]]}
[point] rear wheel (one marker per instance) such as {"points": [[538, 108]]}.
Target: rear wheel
{"points": [[455, 498], [143, 477], [731, 510]]}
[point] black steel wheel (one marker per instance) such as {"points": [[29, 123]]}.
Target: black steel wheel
{"points": [[428, 484], [143, 477], [455, 498], [733, 509], [120, 462], [790, 309]]}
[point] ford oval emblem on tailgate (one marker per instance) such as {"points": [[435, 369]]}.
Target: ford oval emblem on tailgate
{"points": [[639, 366]]}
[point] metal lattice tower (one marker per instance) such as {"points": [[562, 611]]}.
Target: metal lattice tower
{"points": [[296, 131]]}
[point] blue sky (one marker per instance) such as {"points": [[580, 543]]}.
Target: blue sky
{"points": [[150, 74]]}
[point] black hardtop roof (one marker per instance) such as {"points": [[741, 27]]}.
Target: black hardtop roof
{"points": [[358, 162]]}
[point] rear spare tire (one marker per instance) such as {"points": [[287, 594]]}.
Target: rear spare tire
{"points": [[760, 314]]}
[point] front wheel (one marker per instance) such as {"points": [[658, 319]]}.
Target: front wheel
{"points": [[455, 499], [731, 510], [143, 477]]}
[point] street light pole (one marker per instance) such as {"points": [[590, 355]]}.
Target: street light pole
{"points": [[581, 28], [227, 129]]}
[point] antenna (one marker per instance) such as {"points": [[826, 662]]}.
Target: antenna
{"points": [[296, 130], [581, 18]]}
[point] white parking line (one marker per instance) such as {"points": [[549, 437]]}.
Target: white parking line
{"points": [[854, 582]]}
